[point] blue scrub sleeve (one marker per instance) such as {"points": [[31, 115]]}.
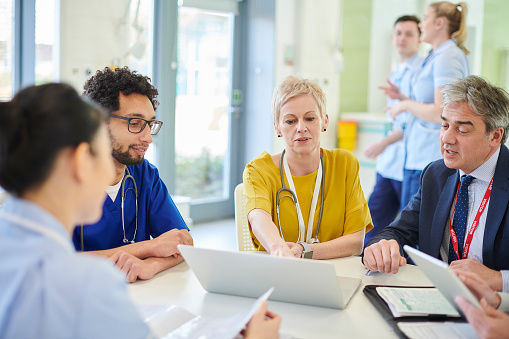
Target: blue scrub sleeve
{"points": [[107, 310], [163, 215]]}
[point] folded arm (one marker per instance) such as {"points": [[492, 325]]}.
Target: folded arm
{"points": [[163, 246], [135, 268], [145, 268]]}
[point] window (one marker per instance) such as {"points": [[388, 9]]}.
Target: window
{"points": [[45, 36], [204, 73]]}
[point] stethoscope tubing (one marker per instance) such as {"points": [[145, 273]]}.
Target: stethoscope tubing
{"points": [[123, 193]]}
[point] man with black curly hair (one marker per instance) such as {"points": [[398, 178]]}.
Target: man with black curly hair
{"points": [[141, 226]]}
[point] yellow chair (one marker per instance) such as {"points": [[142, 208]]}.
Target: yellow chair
{"points": [[243, 236]]}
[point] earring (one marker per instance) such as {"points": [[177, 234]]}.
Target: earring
{"points": [[324, 129], [279, 135]]}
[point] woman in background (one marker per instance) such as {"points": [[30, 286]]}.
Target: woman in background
{"points": [[55, 161], [322, 213], [444, 27]]}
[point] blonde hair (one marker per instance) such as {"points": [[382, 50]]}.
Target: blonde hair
{"points": [[294, 86], [456, 15]]}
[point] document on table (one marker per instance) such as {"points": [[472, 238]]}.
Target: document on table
{"points": [[426, 330], [172, 322], [416, 301]]}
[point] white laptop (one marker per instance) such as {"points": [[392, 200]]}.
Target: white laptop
{"points": [[245, 274], [442, 277]]}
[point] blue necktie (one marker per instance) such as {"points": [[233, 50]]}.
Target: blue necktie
{"points": [[460, 217]]}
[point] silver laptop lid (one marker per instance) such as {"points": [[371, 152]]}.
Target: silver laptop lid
{"points": [[245, 274]]}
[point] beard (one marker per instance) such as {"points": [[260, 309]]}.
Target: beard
{"points": [[125, 158]]}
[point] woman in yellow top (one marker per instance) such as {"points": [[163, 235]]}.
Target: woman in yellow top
{"points": [[324, 182]]}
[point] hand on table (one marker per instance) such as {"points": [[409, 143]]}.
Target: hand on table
{"points": [[264, 324], [286, 250], [133, 267], [296, 249], [384, 256], [165, 245], [492, 277]]}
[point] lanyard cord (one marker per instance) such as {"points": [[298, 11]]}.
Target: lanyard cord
{"points": [[319, 181], [38, 228], [470, 235]]}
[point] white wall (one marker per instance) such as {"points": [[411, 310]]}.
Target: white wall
{"points": [[311, 29], [92, 36]]}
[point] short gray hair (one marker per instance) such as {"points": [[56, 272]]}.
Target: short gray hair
{"points": [[491, 102]]}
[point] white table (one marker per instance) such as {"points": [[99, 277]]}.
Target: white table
{"points": [[360, 319]]}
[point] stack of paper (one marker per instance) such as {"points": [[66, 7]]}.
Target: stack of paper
{"points": [[416, 302], [448, 330], [173, 322]]}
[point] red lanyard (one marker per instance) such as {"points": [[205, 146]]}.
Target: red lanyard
{"points": [[470, 235]]}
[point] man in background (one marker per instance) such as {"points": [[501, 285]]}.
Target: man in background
{"points": [[385, 201]]}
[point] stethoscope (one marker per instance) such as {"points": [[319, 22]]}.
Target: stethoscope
{"points": [[293, 196], [123, 192]]}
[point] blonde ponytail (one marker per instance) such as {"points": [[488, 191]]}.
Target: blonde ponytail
{"points": [[456, 16]]}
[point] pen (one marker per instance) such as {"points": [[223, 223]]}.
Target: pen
{"points": [[368, 272]]}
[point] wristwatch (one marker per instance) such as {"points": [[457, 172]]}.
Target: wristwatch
{"points": [[307, 253]]}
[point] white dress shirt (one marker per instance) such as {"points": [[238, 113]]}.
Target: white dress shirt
{"points": [[476, 191]]}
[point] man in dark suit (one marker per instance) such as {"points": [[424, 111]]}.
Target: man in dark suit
{"points": [[465, 224]]}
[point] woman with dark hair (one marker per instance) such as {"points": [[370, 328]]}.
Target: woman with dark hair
{"points": [[55, 161]]}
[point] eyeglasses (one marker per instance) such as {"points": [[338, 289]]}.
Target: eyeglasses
{"points": [[137, 125]]}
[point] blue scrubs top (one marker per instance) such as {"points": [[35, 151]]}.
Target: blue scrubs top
{"points": [[390, 163], [47, 291], [157, 213], [446, 64]]}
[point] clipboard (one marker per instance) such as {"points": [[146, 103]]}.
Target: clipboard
{"points": [[382, 307]]}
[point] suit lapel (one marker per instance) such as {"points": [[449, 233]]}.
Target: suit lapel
{"points": [[442, 213], [498, 205]]}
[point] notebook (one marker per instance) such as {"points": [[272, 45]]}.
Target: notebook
{"points": [[248, 274]]}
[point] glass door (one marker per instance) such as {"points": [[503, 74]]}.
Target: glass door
{"points": [[203, 111]]}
